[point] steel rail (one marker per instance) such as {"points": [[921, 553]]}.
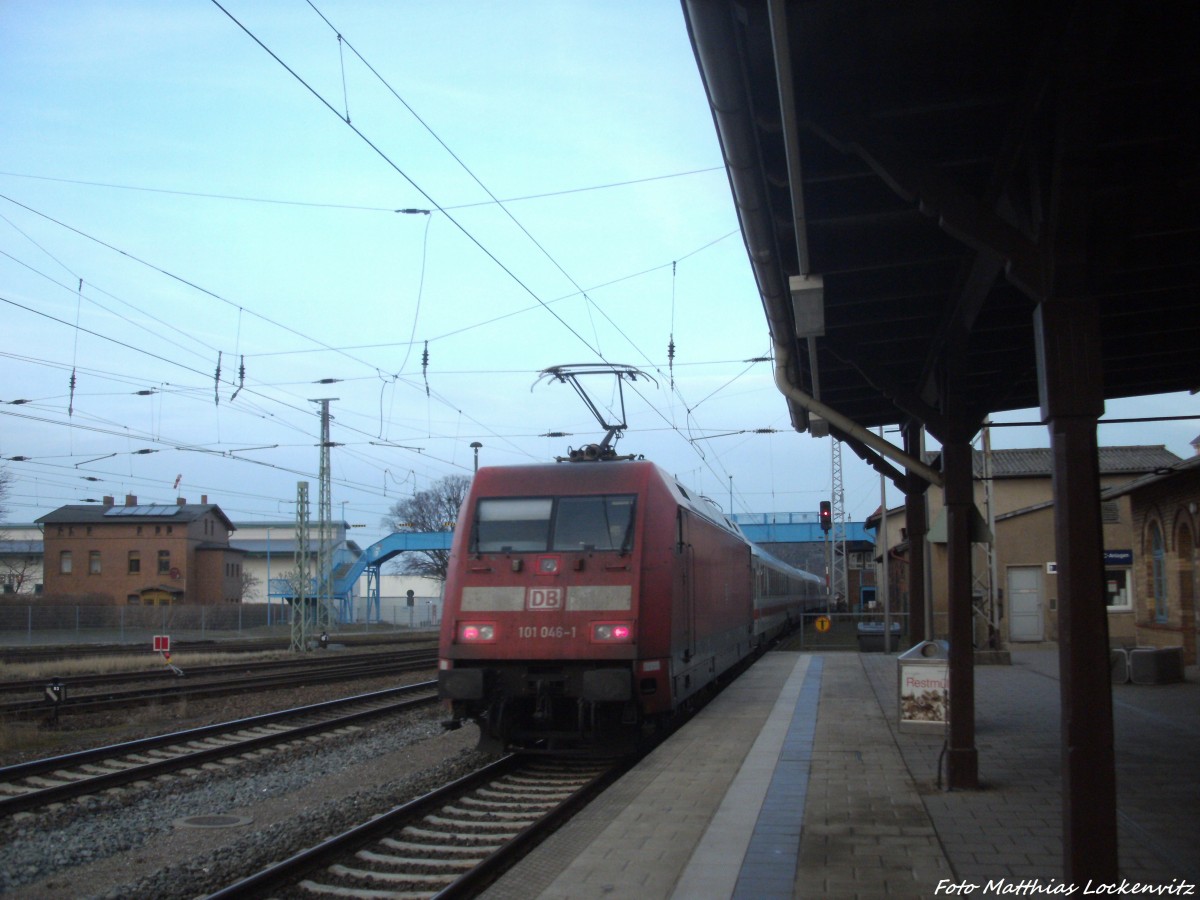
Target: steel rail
{"points": [[350, 842], [393, 700], [32, 685], [182, 689], [76, 651]]}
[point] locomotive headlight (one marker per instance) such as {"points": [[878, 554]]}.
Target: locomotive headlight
{"points": [[612, 632], [474, 634]]}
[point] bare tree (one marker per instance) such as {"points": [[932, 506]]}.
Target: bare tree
{"points": [[250, 583], [6, 480], [16, 573], [433, 509], [295, 583], [19, 574]]}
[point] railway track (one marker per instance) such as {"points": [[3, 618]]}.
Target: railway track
{"points": [[212, 681], [35, 784], [449, 843], [48, 653]]}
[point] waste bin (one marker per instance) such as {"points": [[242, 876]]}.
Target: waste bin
{"points": [[1118, 665], [1155, 665], [924, 687], [870, 637]]}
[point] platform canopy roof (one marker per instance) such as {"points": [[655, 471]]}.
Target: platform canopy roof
{"points": [[913, 178]]}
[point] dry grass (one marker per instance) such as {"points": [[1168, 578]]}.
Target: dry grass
{"points": [[130, 662]]}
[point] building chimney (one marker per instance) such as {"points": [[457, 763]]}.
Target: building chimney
{"points": [[109, 501], [131, 499], [180, 501], [204, 499]]}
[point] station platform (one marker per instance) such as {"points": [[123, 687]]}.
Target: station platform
{"points": [[795, 782]]}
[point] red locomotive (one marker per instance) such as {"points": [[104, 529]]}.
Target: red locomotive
{"points": [[586, 600]]}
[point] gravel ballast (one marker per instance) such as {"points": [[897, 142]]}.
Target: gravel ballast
{"points": [[130, 843]]}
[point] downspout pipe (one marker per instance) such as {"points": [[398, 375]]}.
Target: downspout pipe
{"points": [[842, 423], [712, 27]]}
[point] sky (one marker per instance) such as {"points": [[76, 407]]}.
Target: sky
{"points": [[212, 216]]}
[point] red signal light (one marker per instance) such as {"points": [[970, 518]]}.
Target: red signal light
{"points": [[826, 515]]}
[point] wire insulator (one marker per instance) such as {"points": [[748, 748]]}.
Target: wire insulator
{"points": [[425, 367], [241, 379], [217, 382], [71, 402]]}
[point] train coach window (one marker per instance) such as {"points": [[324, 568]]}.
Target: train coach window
{"points": [[513, 525], [593, 523]]}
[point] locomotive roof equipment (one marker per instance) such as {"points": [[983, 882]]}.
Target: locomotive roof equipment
{"points": [[570, 374]]}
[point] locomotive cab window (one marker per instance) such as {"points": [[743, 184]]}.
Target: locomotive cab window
{"points": [[513, 525], [534, 524], [593, 523]]}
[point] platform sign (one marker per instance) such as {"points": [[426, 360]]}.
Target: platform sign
{"points": [[56, 692], [162, 643], [924, 695], [822, 624]]}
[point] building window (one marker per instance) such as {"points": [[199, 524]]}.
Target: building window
{"points": [[135, 562], [134, 600], [93, 562], [64, 562], [1158, 573], [164, 562]]}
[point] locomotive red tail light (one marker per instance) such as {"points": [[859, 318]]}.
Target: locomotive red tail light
{"points": [[476, 634], [612, 632]]}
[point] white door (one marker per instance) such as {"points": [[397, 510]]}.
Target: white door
{"points": [[1025, 603]]}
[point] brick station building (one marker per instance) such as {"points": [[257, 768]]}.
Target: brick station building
{"points": [[150, 555]]}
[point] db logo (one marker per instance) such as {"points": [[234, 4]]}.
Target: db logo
{"points": [[545, 598]]}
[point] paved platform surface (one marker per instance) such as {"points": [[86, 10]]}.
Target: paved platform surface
{"points": [[795, 782]]}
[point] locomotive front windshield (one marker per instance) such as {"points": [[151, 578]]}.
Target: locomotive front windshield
{"points": [[532, 524]]}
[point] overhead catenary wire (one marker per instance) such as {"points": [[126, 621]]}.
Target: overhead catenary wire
{"points": [[479, 182], [508, 315], [175, 277], [546, 253], [127, 346], [403, 174], [428, 373], [179, 278], [390, 162], [111, 312], [237, 198], [322, 345]]}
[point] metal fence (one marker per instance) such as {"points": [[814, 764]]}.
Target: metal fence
{"points": [[59, 624], [64, 624], [863, 632]]}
